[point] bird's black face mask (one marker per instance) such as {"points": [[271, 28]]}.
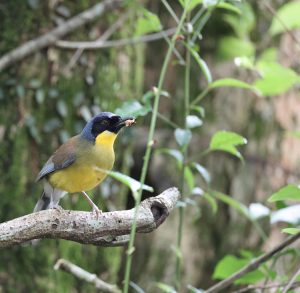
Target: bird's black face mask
{"points": [[104, 121]]}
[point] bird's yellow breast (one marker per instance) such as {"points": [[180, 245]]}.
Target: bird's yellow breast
{"points": [[85, 173]]}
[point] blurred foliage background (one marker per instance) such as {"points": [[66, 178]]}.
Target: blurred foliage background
{"points": [[244, 59]]}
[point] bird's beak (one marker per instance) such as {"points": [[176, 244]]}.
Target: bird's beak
{"points": [[128, 121]]}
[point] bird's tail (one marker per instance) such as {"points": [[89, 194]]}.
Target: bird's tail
{"points": [[43, 203]]}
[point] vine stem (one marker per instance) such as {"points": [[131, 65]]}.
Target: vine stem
{"points": [[184, 155], [130, 250]]}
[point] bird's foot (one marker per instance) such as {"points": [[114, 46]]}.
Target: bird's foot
{"points": [[58, 208]]}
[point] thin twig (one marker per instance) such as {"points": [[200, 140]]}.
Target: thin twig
{"points": [[175, 51], [254, 264], [167, 121], [262, 287], [105, 36], [291, 281], [51, 37], [84, 275], [171, 11], [184, 153], [198, 15], [274, 13], [115, 43]]}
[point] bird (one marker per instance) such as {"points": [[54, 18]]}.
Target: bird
{"points": [[82, 162]]}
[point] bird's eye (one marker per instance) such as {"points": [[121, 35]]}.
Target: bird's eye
{"points": [[105, 122]]}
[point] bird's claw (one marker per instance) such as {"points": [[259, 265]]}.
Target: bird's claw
{"points": [[58, 208]]}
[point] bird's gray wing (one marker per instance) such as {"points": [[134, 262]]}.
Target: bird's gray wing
{"points": [[62, 158]]}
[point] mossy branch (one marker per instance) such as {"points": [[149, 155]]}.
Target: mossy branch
{"points": [[109, 229], [54, 35]]}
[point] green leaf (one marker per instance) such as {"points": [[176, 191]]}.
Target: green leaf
{"points": [[147, 97], [289, 214], [269, 55], [133, 108], [202, 171], [165, 288], [183, 136], [30, 122], [189, 178], [289, 192], [229, 7], [34, 4], [292, 231], [231, 264], [211, 200], [190, 4], [202, 64], [244, 23], [147, 23], [257, 211], [20, 91], [177, 155], [231, 47], [230, 82], [209, 3], [197, 191], [133, 184], [40, 96], [276, 79], [241, 208], [199, 109], [288, 14], [35, 83], [193, 121], [268, 272], [295, 134], [226, 141], [246, 254]]}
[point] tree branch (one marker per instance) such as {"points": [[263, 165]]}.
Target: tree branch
{"points": [[84, 227], [262, 287], [254, 264], [51, 37], [103, 38], [291, 281], [82, 274], [115, 43]]}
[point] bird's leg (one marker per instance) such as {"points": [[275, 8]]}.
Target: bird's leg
{"points": [[54, 200], [96, 210], [51, 204]]}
